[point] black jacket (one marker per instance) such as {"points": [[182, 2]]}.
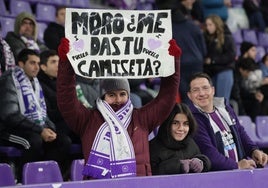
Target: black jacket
{"points": [[10, 116]]}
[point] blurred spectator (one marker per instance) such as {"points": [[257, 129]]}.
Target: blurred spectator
{"points": [[55, 30], [255, 16], [253, 88], [264, 10], [247, 50], [220, 58], [218, 7], [24, 35], [23, 116], [47, 77], [191, 41], [7, 60]]}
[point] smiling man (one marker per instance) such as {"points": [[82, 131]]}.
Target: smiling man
{"points": [[220, 136]]}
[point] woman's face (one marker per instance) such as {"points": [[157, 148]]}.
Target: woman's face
{"points": [[210, 26], [180, 127]]}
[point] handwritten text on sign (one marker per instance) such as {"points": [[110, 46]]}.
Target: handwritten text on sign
{"points": [[116, 43]]}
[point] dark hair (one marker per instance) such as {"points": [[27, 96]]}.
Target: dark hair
{"points": [[58, 8], [23, 55], [45, 55], [247, 64], [180, 108], [200, 75]]}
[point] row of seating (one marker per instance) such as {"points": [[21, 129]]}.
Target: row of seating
{"points": [[258, 38], [219, 179], [40, 172], [258, 130], [43, 9]]}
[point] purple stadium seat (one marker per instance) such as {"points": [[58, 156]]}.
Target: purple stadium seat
{"points": [[9, 151], [145, 6], [76, 169], [41, 172], [249, 127], [45, 12], [263, 39], [6, 175], [262, 126], [250, 36], [260, 177], [41, 29], [79, 3], [237, 3], [237, 35], [7, 24], [260, 53], [3, 8], [18, 6]]}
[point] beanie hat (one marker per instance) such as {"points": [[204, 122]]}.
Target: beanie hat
{"points": [[245, 46], [108, 85]]}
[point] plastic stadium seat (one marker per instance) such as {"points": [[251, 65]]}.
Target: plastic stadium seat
{"points": [[7, 24], [260, 53], [263, 39], [18, 6], [79, 3], [262, 126], [3, 8], [76, 169], [6, 175], [237, 3], [9, 151], [237, 35], [41, 29], [45, 12], [41, 172], [249, 127], [250, 36]]}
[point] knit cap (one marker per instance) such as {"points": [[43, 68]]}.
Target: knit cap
{"points": [[245, 46], [108, 85]]}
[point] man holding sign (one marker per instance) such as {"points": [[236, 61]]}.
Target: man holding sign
{"points": [[114, 136]]}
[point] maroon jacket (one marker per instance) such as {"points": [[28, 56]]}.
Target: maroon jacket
{"points": [[86, 122]]}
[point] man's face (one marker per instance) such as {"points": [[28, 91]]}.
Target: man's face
{"points": [[201, 94], [31, 66], [27, 28], [60, 18], [51, 68]]}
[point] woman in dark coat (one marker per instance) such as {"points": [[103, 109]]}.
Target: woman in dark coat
{"points": [[173, 151]]}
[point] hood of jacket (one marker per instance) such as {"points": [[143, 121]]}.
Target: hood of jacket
{"points": [[19, 20]]}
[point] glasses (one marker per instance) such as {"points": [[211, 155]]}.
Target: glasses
{"points": [[204, 89]]}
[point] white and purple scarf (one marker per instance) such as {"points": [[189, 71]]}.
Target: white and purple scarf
{"points": [[9, 57], [32, 103], [112, 154]]}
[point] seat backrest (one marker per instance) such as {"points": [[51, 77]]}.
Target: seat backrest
{"points": [[260, 53], [41, 172], [45, 12], [6, 175], [41, 29], [3, 8], [250, 36], [262, 127], [7, 24], [249, 127], [80, 3], [237, 35], [263, 39], [10, 151], [18, 6], [76, 169]]}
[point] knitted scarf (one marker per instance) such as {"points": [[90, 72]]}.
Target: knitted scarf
{"points": [[32, 103], [112, 154], [9, 61]]}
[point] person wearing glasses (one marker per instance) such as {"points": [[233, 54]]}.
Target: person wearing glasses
{"points": [[219, 135]]}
